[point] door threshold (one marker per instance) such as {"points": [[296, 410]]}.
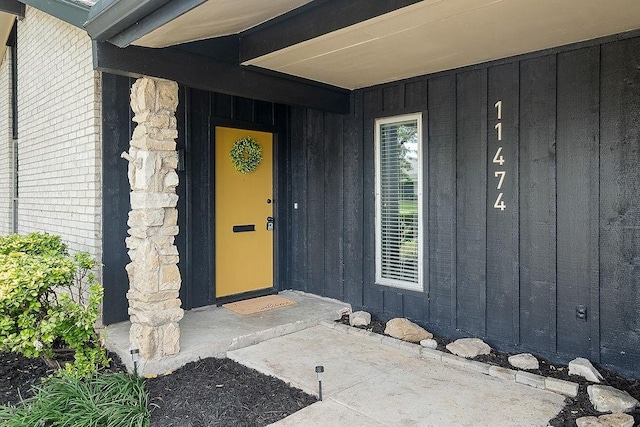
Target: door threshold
{"points": [[245, 295]]}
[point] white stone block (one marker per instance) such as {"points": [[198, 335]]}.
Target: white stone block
{"points": [[584, 368], [359, 318]]}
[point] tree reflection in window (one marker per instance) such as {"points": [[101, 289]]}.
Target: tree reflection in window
{"points": [[399, 210]]}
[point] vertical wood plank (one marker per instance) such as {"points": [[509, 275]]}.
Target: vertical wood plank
{"points": [[577, 196], [299, 215], [333, 207], [620, 205], [315, 200], [353, 199], [243, 109], [263, 112], [393, 98], [116, 132], [537, 203], [282, 195], [393, 304], [199, 163], [372, 294], [415, 94], [503, 289], [471, 216], [442, 200], [415, 307], [222, 105]]}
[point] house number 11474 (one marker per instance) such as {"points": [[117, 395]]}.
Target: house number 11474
{"points": [[498, 159]]}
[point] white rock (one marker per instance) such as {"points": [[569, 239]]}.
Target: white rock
{"points": [[608, 399], [469, 347], [609, 420], [359, 318], [429, 343], [406, 330], [584, 368], [524, 361]]}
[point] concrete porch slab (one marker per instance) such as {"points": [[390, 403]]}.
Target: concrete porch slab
{"points": [[213, 331]]}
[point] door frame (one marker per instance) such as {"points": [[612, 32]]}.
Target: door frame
{"points": [[237, 124]]}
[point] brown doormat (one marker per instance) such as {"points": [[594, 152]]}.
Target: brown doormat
{"points": [[258, 305]]}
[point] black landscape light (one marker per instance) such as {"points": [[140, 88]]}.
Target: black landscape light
{"points": [[319, 371], [134, 358]]}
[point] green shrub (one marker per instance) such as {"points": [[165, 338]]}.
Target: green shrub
{"points": [[44, 303], [109, 400], [33, 244]]}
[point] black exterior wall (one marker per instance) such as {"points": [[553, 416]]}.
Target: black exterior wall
{"points": [[197, 115], [570, 237]]}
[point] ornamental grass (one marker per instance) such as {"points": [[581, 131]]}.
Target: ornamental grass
{"points": [[105, 400]]}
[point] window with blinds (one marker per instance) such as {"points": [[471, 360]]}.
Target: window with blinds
{"points": [[399, 201]]}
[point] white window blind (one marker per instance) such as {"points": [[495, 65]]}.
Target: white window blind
{"points": [[399, 202]]}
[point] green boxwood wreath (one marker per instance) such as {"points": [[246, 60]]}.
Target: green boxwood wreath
{"points": [[246, 155]]}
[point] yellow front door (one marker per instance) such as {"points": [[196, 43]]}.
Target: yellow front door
{"points": [[244, 244]]}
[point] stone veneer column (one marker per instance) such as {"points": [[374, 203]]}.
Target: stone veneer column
{"points": [[154, 278]]}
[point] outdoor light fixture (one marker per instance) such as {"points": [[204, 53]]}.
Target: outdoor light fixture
{"points": [[134, 358], [319, 371]]}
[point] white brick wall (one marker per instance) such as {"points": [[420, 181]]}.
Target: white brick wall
{"points": [[6, 143], [58, 132]]}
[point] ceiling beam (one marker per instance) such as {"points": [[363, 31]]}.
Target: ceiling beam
{"points": [[311, 22], [223, 48], [205, 73], [165, 13], [12, 7], [109, 17]]}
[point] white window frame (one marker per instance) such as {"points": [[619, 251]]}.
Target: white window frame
{"points": [[397, 283]]}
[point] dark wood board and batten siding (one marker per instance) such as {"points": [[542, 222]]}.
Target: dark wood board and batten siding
{"points": [[441, 236], [471, 215], [503, 287], [538, 203], [620, 203], [557, 272], [577, 196], [117, 129]]}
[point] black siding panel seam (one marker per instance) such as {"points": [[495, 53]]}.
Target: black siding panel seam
{"points": [[595, 227], [454, 212], [516, 266], [426, 252], [517, 188], [483, 130], [211, 201], [553, 332]]}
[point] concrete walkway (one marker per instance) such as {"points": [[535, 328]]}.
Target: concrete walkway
{"points": [[367, 383], [368, 380]]}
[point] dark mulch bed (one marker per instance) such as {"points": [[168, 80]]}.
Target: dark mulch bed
{"points": [[209, 392], [17, 375], [221, 392], [577, 407]]}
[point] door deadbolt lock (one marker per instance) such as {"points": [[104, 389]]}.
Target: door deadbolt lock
{"points": [[269, 223]]}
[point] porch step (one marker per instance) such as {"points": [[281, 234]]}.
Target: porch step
{"points": [[213, 331]]}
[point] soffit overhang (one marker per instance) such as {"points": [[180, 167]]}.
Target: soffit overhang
{"points": [[436, 35]]}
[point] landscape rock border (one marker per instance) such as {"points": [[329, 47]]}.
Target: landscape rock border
{"points": [[566, 388]]}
